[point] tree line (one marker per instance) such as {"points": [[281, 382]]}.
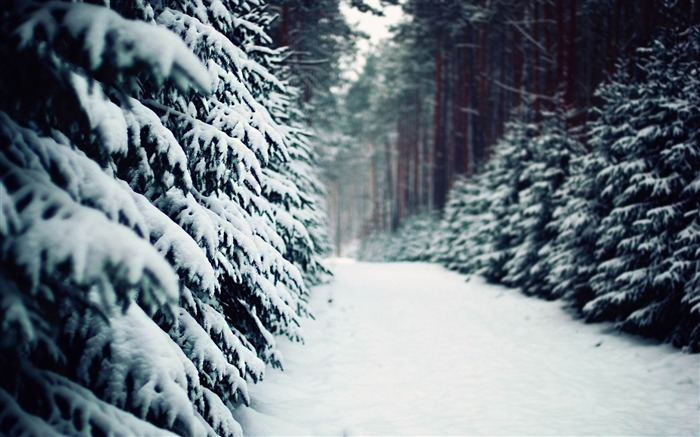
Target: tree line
{"points": [[454, 72], [586, 188]]}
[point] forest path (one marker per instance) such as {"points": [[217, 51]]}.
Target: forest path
{"points": [[413, 349]]}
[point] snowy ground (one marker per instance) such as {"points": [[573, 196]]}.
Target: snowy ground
{"points": [[413, 349]]}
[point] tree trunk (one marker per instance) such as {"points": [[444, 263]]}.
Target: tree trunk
{"points": [[439, 174], [284, 37], [390, 194], [377, 213], [465, 104], [571, 57], [518, 58], [536, 74], [415, 153], [482, 103], [338, 225], [562, 36]]}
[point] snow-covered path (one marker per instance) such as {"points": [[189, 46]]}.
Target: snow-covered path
{"points": [[412, 349]]}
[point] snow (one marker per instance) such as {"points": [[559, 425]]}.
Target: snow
{"points": [[142, 119], [174, 242], [413, 349], [107, 37], [144, 370], [82, 413], [105, 117], [75, 236]]}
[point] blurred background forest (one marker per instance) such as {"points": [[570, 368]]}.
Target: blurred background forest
{"points": [[431, 101], [548, 145]]}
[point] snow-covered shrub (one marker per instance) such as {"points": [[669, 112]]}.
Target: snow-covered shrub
{"points": [[373, 247], [413, 241], [571, 257], [306, 246], [505, 177], [150, 237], [496, 223]]}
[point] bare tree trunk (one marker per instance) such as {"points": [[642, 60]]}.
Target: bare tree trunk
{"points": [[390, 194], [536, 54], [377, 212], [403, 160], [415, 154], [439, 173], [561, 36], [571, 57], [465, 104], [338, 225], [482, 102], [518, 57], [284, 39]]}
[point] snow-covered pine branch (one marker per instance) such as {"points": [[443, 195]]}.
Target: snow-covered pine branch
{"points": [[109, 46]]}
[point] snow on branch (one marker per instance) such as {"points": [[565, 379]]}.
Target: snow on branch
{"points": [[106, 40]]}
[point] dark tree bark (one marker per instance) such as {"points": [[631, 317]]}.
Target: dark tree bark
{"points": [[439, 167], [570, 95]]}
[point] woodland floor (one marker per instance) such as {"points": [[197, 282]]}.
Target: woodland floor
{"points": [[413, 349]]}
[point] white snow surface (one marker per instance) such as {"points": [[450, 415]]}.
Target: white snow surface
{"points": [[414, 349]]}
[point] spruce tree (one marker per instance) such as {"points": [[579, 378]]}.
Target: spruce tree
{"points": [[571, 258], [646, 248], [456, 223], [143, 219], [552, 150], [504, 178]]}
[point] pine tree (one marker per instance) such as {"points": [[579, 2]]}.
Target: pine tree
{"points": [[456, 229], [575, 223], [303, 223], [553, 148], [646, 247], [504, 179], [143, 216], [480, 230]]}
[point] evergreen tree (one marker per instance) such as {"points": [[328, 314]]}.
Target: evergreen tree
{"points": [[575, 223], [648, 126], [504, 179], [317, 37], [461, 218], [552, 150], [480, 227], [293, 185], [613, 231], [414, 241], [148, 250]]}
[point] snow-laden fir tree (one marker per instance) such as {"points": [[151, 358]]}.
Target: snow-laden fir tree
{"points": [[143, 260], [308, 243], [459, 219], [552, 149], [503, 178], [413, 241], [647, 246], [575, 223], [479, 228], [465, 234], [248, 205]]}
